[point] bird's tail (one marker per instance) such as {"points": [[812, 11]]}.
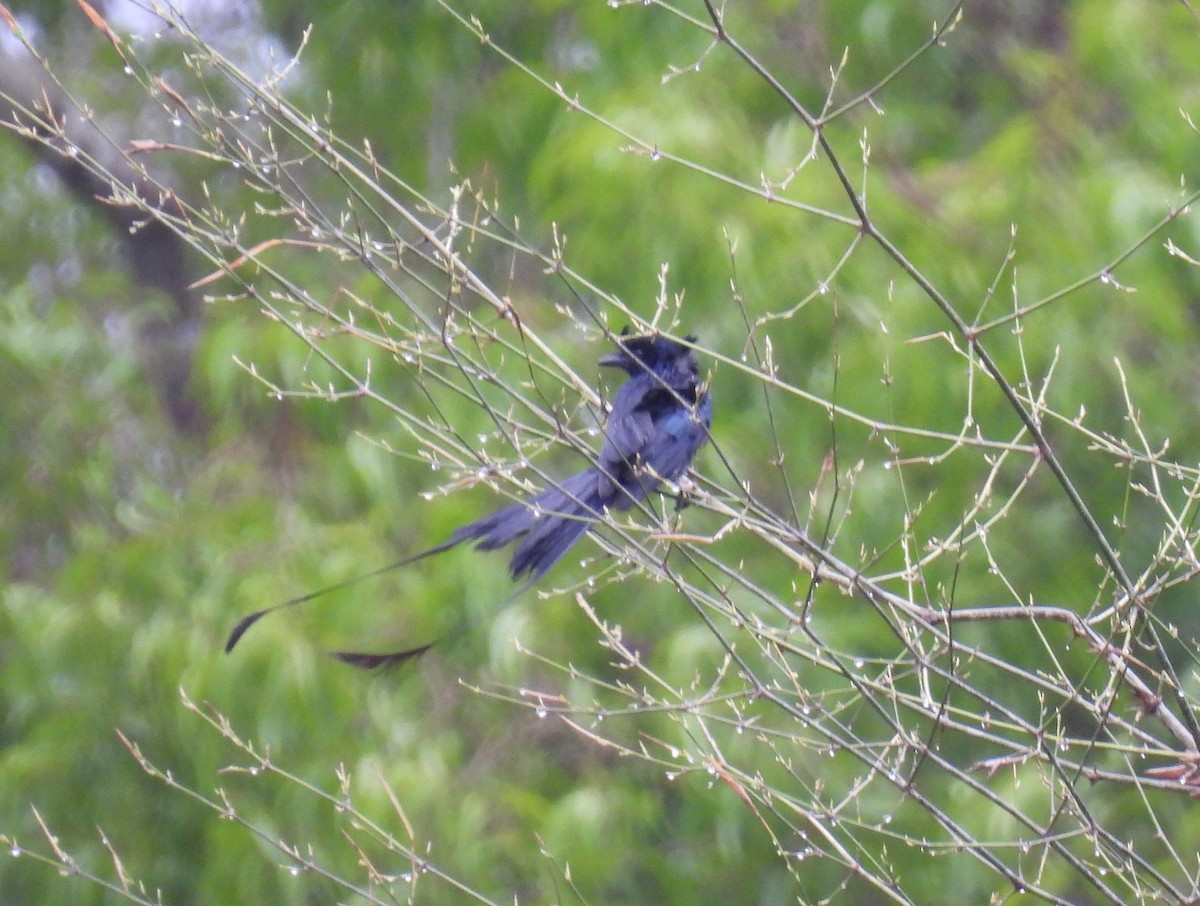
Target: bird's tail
{"points": [[547, 525], [250, 619]]}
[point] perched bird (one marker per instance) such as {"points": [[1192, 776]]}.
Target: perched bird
{"points": [[659, 418]]}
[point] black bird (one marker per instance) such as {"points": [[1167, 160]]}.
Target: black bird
{"points": [[660, 417]]}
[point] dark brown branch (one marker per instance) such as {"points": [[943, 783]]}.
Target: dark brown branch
{"points": [[89, 165]]}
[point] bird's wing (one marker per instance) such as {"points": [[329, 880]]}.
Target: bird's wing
{"points": [[626, 439], [653, 435], [678, 435]]}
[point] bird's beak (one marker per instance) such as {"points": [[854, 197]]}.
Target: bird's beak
{"points": [[618, 359]]}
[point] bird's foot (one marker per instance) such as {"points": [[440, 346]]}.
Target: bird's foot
{"points": [[686, 489]]}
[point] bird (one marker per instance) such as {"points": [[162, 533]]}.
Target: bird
{"points": [[659, 419]]}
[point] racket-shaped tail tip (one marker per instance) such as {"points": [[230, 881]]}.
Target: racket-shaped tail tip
{"points": [[388, 661], [240, 629]]}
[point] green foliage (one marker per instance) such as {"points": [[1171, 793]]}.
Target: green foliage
{"points": [[682, 712]]}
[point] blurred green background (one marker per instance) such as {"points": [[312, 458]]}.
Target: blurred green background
{"points": [[133, 540]]}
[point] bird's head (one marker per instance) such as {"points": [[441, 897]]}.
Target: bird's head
{"points": [[651, 352]]}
